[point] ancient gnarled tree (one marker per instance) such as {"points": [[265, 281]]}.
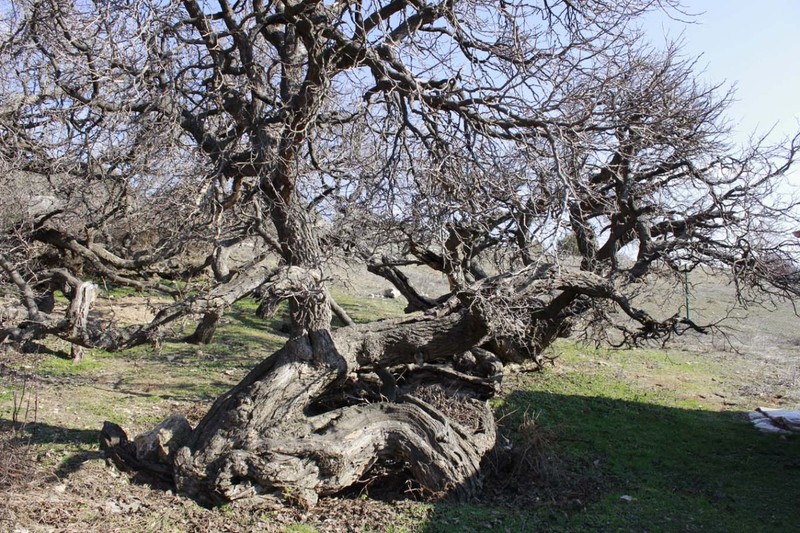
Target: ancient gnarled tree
{"points": [[474, 138]]}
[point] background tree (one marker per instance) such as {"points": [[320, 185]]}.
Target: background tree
{"points": [[467, 136]]}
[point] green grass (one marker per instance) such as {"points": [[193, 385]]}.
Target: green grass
{"points": [[448, 518], [120, 291], [61, 366], [178, 371], [363, 310], [643, 424], [300, 528], [685, 466]]}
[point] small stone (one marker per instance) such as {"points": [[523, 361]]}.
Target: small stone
{"points": [[113, 508], [391, 293], [626, 498]]}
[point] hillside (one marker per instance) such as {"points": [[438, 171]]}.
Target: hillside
{"points": [[653, 438]]}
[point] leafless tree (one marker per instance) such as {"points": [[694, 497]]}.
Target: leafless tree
{"points": [[470, 137]]}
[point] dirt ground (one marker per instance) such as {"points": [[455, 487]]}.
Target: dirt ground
{"points": [[53, 476]]}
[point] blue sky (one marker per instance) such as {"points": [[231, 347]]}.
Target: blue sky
{"points": [[752, 44]]}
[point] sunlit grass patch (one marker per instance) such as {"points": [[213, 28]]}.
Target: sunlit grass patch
{"points": [[62, 366], [363, 310]]}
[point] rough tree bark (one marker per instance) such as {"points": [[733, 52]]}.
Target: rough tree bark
{"points": [[273, 433], [313, 418], [205, 330], [78, 315]]}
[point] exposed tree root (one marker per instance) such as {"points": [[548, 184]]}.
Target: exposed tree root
{"points": [[316, 416], [264, 439]]}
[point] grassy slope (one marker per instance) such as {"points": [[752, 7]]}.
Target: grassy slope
{"points": [[664, 428], [685, 460]]}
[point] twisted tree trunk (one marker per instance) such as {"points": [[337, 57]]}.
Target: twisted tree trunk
{"points": [[288, 428], [314, 417]]}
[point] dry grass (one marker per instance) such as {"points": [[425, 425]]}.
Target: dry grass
{"points": [[17, 463], [454, 406], [524, 462]]}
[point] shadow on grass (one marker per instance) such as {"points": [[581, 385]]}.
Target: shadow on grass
{"points": [[247, 319], [32, 347], [32, 433], [40, 433], [180, 392], [74, 462], [621, 465]]}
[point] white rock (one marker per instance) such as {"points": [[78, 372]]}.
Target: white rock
{"points": [[113, 508], [782, 421]]}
